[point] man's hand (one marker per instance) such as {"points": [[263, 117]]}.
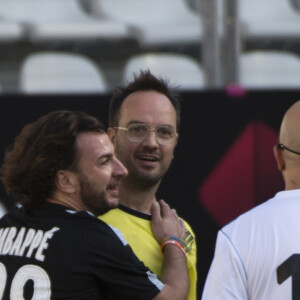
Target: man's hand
{"points": [[165, 222]]}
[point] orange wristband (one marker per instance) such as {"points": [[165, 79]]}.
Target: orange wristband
{"points": [[175, 243], [181, 242]]}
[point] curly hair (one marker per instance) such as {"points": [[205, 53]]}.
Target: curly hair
{"points": [[40, 150], [145, 81]]}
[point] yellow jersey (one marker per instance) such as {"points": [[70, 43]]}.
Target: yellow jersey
{"points": [[136, 227]]}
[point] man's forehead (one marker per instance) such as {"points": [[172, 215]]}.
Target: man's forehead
{"points": [[94, 142], [145, 95], [147, 103]]}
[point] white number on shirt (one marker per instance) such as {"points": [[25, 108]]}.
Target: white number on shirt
{"points": [[28, 272]]}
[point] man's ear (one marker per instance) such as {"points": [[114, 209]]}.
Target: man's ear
{"points": [[111, 132], [278, 153], [66, 181]]}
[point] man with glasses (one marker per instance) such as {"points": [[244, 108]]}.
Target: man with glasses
{"points": [[257, 255], [143, 124], [63, 172]]}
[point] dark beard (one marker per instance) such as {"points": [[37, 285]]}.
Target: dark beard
{"points": [[95, 201]]}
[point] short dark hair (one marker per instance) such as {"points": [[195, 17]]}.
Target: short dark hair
{"points": [[145, 81], [40, 150]]}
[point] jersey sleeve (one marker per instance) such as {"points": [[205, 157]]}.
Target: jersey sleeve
{"points": [[115, 265], [227, 277]]}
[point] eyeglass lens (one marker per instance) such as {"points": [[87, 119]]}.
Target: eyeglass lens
{"points": [[138, 132]]}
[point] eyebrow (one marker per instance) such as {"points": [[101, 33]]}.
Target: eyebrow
{"points": [[135, 122], [139, 122], [104, 156]]}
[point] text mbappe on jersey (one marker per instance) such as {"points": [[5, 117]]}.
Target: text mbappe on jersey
{"points": [[25, 241]]}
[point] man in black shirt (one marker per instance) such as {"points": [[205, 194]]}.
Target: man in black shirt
{"points": [[63, 172]]}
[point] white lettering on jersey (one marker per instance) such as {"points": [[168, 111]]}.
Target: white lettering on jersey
{"points": [[44, 243], [18, 242], [15, 241]]}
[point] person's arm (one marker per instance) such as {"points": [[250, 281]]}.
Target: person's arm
{"points": [[165, 223]]}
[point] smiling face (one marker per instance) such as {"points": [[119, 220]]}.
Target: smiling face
{"points": [[99, 172], [146, 161]]}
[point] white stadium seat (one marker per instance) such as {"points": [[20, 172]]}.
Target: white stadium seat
{"points": [[156, 22], [270, 69], [269, 19], [63, 20], [51, 72], [181, 70]]}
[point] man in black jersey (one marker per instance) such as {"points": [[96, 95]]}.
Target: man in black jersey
{"points": [[62, 171]]}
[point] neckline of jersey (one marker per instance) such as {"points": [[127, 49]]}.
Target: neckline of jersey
{"points": [[134, 212]]}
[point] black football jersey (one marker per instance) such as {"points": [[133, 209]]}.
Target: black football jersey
{"points": [[52, 252]]}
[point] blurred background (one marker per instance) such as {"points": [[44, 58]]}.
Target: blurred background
{"points": [[235, 63], [214, 43]]}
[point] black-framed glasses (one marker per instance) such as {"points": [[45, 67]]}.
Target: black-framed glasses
{"points": [[283, 147], [138, 132]]}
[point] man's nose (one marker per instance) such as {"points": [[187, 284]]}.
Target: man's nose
{"points": [[120, 170], [150, 139]]}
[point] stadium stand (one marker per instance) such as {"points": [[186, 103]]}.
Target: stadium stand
{"points": [[11, 31], [180, 70], [155, 22], [270, 69], [54, 72], [113, 31], [269, 20], [59, 20]]}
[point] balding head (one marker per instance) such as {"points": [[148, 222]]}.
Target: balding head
{"points": [[290, 128], [289, 163]]}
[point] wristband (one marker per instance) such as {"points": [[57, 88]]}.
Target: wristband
{"points": [[175, 243], [181, 242]]}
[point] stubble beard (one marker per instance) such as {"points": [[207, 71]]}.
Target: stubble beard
{"points": [[136, 178], [96, 202], [143, 179]]}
